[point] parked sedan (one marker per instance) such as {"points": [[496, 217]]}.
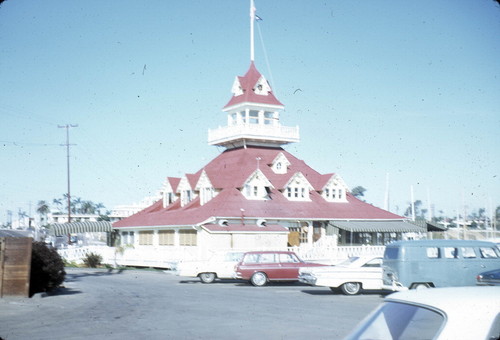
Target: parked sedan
{"points": [[260, 267], [219, 266], [489, 278], [350, 276], [437, 313]]}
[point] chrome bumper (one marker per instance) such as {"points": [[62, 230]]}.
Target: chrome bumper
{"points": [[307, 279]]}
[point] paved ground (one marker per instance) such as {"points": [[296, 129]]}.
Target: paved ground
{"points": [[132, 304]]}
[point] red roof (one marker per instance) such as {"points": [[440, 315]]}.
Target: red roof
{"points": [[228, 173], [248, 83]]}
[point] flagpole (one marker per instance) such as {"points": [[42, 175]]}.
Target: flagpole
{"points": [[252, 20]]}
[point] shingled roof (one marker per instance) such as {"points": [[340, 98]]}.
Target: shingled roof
{"points": [[228, 173]]}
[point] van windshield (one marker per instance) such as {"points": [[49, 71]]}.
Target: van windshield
{"points": [[391, 253]]}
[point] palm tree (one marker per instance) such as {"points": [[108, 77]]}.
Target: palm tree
{"points": [[87, 207], [42, 209], [58, 203], [76, 205], [98, 207]]}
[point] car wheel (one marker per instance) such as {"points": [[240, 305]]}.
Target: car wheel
{"points": [[259, 279], [351, 288], [421, 286], [207, 277]]}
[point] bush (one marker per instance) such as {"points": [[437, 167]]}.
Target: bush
{"points": [[92, 260], [47, 268]]}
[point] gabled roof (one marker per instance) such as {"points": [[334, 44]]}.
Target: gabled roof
{"points": [[230, 170], [174, 182], [248, 83]]}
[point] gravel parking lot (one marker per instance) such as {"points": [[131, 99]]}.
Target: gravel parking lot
{"points": [[130, 304]]}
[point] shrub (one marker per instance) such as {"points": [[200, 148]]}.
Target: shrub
{"points": [[92, 260], [47, 268]]}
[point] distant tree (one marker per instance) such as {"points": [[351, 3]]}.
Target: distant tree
{"points": [[358, 191], [43, 209], [58, 203], [98, 207], [417, 204], [87, 207]]}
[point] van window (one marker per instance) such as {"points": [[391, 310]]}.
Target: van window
{"points": [[488, 253], [450, 252], [432, 252], [391, 253], [468, 253]]}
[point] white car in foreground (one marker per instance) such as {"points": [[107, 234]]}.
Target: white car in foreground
{"points": [[465, 313], [219, 266], [350, 276]]}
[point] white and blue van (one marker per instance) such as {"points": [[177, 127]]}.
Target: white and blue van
{"points": [[437, 263]]}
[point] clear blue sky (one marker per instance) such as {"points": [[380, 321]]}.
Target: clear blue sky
{"points": [[409, 88]]}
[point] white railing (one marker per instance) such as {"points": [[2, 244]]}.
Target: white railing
{"points": [[167, 257], [268, 132]]}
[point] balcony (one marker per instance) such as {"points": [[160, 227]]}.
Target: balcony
{"points": [[262, 134]]}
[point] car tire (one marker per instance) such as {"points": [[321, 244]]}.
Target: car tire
{"points": [[351, 288], [421, 286], [258, 279], [207, 277]]}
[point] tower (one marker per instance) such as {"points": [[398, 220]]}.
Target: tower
{"points": [[253, 112]]}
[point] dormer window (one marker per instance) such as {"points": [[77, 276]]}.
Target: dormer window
{"points": [[236, 89], [205, 188], [186, 197], [334, 190], [257, 187], [262, 87], [280, 164], [298, 188]]}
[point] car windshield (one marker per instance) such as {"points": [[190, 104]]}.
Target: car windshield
{"points": [[401, 321], [349, 262]]}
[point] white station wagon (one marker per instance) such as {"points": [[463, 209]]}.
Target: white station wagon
{"points": [[350, 276], [219, 266]]}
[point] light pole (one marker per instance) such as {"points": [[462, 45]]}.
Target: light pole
{"points": [[67, 126]]}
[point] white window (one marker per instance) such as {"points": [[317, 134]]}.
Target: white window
{"points": [[146, 238], [188, 237], [253, 117], [127, 237], [166, 237], [269, 118], [233, 119]]}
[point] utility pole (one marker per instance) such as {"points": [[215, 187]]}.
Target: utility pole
{"points": [[67, 126]]}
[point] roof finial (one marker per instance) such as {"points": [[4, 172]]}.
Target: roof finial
{"points": [[252, 20]]}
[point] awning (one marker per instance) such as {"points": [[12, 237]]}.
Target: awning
{"points": [[378, 226], [79, 227]]}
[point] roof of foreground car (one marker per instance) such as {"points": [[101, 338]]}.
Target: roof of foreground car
{"points": [[269, 251], [473, 306]]}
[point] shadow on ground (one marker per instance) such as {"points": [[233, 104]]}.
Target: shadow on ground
{"points": [[327, 291]]}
